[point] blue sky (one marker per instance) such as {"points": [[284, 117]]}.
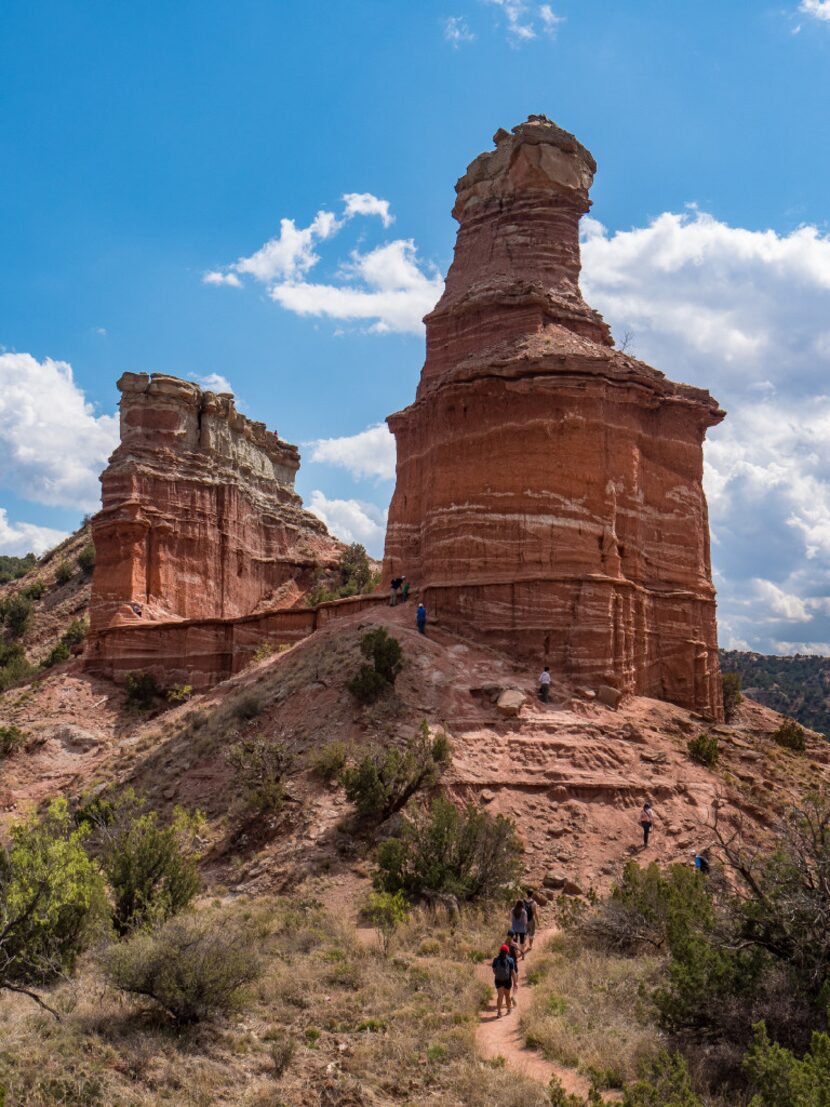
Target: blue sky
{"points": [[147, 146]]}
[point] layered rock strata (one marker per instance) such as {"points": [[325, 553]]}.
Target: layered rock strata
{"points": [[549, 492], [200, 519]]}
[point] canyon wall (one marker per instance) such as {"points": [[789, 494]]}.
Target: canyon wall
{"points": [[549, 492], [200, 520]]}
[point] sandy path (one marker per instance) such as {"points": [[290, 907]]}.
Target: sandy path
{"points": [[500, 1037]]}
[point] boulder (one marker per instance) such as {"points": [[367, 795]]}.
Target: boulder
{"points": [[510, 702], [609, 696], [554, 880]]}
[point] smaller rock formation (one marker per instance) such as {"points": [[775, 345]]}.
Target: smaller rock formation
{"points": [[200, 519]]}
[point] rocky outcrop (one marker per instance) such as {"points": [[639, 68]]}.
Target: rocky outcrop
{"points": [[549, 493], [200, 519]]}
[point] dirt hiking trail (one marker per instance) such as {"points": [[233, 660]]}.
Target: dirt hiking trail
{"points": [[501, 1037]]}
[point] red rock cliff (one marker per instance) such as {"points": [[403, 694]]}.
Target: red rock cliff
{"points": [[549, 492], [200, 518]]}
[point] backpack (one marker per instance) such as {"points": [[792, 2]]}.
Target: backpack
{"points": [[503, 971], [529, 910]]}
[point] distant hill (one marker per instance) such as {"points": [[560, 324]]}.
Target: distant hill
{"points": [[797, 686]]}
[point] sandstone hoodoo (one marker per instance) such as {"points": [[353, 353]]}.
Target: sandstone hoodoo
{"points": [[200, 523], [549, 492]]}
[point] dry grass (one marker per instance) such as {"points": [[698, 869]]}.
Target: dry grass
{"points": [[331, 1022], [589, 1011]]}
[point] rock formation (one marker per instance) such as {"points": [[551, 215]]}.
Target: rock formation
{"points": [[549, 493], [200, 519]]}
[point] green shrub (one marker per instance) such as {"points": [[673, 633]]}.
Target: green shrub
{"points": [[791, 736], [246, 707], [731, 694], [193, 966], [17, 615], [260, 766], [14, 666], [665, 1082], [328, 761], [142, 690], [781, 1080], [13, 568], [261, 652], [151, 869], [383, 780], [86, 559], [12, 739], [386, 911], [180, 693], [64, 572], [447, 852], [58, 654], [386, 656], [35, 590], [704, 749], [75, 633], [52, 899]]}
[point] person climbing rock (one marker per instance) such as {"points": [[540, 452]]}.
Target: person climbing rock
{"points": [[421, 619], [532, 912], [544, 684], [405, 591], [518, 924], [394, 587], [702, 863], [504, 977], [646, 821]]}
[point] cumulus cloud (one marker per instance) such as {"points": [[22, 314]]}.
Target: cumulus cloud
{"points": [[387, 286], [214, 276], [457, 31], [364, 203], [820, 9], [352, 520], [18, 539], [371, 453], [215, 382], [745, 314], [52, 443]]}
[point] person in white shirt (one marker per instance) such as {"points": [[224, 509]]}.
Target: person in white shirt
{"points": [[544, 684]]}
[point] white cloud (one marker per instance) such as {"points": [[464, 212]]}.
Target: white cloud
{"points": [[457, 31], [352, 520], [550, 20], [393, 291], [743, 313], [18, 539], [371, 453], [101, 331], [818, 8], [364, 203], [215, 277], [215, 382], [52, 443], [291, 253], [519, 27]]}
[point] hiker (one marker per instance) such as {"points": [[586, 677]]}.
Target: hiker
{"points": [[421, 618], [646, 821], [504, 975], [395, 586], [405, 591], [515, 951], [544, 684], [532, 912], [518, 924], [702, 864]]}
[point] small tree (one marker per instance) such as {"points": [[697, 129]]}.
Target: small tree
{"points": [[260, 766], [86, 559], [664, 1082], [18, 616], [52, 901], [63, 573], [384, 780], [142, 690], [151, 869], [12, 739], [443, 851], [193, 966], [386, 655], [791, 736], [781, 1079], [731, 694], [386, 912]]}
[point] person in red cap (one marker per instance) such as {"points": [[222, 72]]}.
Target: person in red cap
{"points": [[505, 976]]}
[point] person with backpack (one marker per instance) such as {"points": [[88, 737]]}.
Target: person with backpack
{"points": [[504, 977], [532, 912], [702, 863], [518, 924], [395, 586], [515, 953]]}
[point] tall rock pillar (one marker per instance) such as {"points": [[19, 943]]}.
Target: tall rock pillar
{"points": [[549, 495]]}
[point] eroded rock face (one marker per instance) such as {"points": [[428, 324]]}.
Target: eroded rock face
{"points": [[200, 519], [549, 490]]}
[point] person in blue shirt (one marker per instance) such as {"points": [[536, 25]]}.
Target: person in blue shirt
{"points": [[421, 619]]}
